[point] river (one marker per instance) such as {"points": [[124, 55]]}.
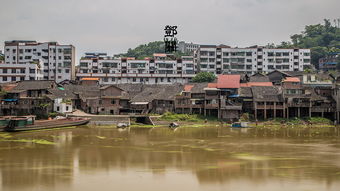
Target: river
{"points": [[160, 159]]}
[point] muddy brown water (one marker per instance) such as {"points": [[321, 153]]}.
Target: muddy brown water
{"points": [[160, 159]]}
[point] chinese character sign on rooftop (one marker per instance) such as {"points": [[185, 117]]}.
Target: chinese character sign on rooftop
{"points": [[170, 40]]}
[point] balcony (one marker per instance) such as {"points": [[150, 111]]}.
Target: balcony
{"points": [[212, 106], [232, 107]]}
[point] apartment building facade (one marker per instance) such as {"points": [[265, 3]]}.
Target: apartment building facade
{"points": [[224, 59], [31, 60], [160, 69], [185, 47], [329, 62]]}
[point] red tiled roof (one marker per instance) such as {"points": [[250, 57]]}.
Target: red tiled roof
{"points": [[291, 79], [159, 54], [8, 87], [90, 79], [212, 85], [188, 88], [250, 84], [228, 81]]}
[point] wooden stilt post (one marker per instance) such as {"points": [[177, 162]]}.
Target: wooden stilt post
{"points": [[274, 110], [265, 110]]}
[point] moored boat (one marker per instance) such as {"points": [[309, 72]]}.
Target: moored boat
{"points": [[4, 121], [26, 123], [239, 124]]}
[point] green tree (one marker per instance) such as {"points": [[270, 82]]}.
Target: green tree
{"points": [[320, 38], [147, 50], [204, 77]]}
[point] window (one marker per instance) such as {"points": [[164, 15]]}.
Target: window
{"points": [[137, 65], [59, 70], [67, 64], [22, 78], [22, 70], [14, 78], [110, 64], [225, 53], [248, 53], [67, 108], [211, 59], [225, 60], [67, 71], [113, 102], [4, 70], [4, 78], [58, 108], [13, 71], [84, 64], [32, 71]]}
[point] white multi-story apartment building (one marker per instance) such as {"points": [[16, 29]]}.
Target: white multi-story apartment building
{"points": [[185, 47], [161, 69], [224, 59], [50, 61]]}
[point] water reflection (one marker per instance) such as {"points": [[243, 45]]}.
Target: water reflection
{"points": [[211, 156]]}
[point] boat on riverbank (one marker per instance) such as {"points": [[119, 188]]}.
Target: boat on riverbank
{"points": [[240, 125], [27, 123]]}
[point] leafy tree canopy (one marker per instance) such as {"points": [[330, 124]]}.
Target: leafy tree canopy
{"points": [[204, 77], [147, 50], [322, 39]]}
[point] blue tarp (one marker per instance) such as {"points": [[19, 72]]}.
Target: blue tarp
{"points": [[10, 100], [235, 95]]}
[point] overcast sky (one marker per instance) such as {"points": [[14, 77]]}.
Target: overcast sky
{"points": [[113, 26]]}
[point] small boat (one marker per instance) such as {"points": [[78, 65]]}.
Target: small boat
{"points": [[173, 125], [240, 124], [26, 123], [4, 121]]}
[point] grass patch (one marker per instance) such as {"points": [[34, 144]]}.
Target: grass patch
{"points": [[5, 135], [140, 125], [36, 141], [168, 116]]}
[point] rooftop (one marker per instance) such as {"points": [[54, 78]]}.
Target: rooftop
{"points": [[228, 81], [291, 79]]}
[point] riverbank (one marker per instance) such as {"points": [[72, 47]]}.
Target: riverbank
{"points": [[188, 120]]}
